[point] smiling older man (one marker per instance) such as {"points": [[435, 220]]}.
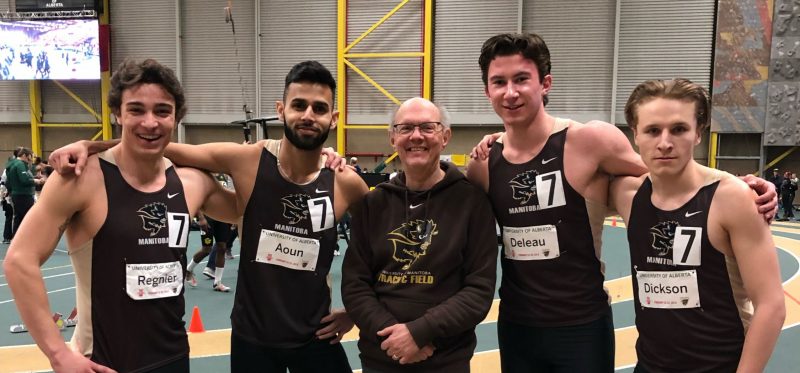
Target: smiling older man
{"points": [[420, 270]]}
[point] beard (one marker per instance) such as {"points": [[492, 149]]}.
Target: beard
{"points": [[305, 142]]}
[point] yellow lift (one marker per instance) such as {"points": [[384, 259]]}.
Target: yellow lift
{"points": [[344, 61]]}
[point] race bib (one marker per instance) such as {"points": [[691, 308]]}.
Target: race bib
{"points": [[178, 224], [153, 280], [531, 243], [686, 246], [321, 212], [285, 250], [668, 289], [550, 190]]}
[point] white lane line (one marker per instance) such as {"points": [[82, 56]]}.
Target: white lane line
{"points": [[48, 268], [49, 292], [47, 277]]}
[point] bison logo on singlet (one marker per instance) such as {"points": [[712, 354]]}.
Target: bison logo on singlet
{"points": [[663, 236], [523, 187], [295, 207], [154, 217], [411, 241]]}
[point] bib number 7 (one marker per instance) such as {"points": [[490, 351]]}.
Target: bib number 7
{"points": [[321, 212], [550, 190], [178, 224], [686, 246]]}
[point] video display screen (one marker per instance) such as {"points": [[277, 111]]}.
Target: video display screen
{"points": [[63, 49]]}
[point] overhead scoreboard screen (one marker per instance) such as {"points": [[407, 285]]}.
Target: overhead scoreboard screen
{"points": [[57, 49], [54, 5]]}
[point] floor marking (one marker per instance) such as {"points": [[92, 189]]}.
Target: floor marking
{"points": [[791, 297], [47, 277], [49, 292], [48, 269], [213, 343]]}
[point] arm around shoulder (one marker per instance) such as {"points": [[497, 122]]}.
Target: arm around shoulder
{"points": [[621, 192], [614, 150], [478, 173], [351, 184], [213, 199], [225, 157]]}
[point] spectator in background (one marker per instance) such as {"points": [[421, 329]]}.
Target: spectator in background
{"points": [[794, 186], [778, 181], [5, 195], [5, 200], [354, 164], [21, 182], [40, 170], [787, 190]]}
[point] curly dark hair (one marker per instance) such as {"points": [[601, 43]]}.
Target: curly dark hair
{"points": [[132, 73], [530, 46]]}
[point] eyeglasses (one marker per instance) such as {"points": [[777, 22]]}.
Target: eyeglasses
{"points": [[427, 128]]}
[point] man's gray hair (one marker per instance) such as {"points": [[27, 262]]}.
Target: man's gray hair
{"points": [[444, 115]]}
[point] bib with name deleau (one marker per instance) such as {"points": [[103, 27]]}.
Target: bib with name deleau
{"points": [[552, 274]]}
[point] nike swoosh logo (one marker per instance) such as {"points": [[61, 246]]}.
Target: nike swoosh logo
{"points": [[320, 191], [169, 196], [688, 215], [415, 206], [548, 160]]}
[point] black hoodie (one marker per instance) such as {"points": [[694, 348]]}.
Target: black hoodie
{"points": [[426, 259]]}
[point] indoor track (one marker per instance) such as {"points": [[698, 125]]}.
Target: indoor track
{"points": [[209, 350]]}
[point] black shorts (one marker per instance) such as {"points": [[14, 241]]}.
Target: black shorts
{"points": [[316, 356], [217, 232], [586, 347], [178, 366]]}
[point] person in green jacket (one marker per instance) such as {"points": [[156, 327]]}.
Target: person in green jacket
{"points": [[21, 183]]}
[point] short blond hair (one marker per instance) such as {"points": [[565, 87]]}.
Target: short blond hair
{"points": [[675, 89]]}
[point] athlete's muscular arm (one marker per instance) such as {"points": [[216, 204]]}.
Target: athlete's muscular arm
{"points": [[72, 158], [610, 146], [481, 151], [225, 157], [621, 193], [478, 166], [209, 196], [352, 188], [478, 173], [767, 199], [33, 244], [749, 238]]}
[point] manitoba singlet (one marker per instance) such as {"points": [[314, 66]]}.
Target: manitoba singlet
{"points": [[288, 239], [552, 275], [130, 278], [686, 312]]}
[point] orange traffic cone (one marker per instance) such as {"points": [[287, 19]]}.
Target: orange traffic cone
{"points": [[614, 221], [196, 324]]}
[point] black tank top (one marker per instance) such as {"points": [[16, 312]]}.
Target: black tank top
{"points": [[545, 283], [282, 291], [675, 265], [138, 259]]}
